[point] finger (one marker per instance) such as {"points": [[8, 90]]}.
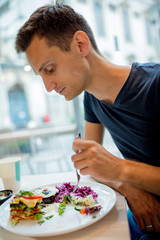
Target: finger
{"points": [[148, 224], [81, 164], [85, 171], [80, 144], [78, 156], [77, 145], [156, 223], [149, 228], [140, 223]]}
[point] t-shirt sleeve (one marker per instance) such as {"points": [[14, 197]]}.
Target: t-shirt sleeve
{"points": [[157, 96], [89, 114]]}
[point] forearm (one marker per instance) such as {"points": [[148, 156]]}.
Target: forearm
{"points": [[122, 188], [114, 185], [130, 173], [109, 168], [141, 175]]}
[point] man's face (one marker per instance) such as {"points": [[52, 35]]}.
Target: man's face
{"points": [[65, 72]]}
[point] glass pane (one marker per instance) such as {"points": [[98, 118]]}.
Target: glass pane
{"points": [[126, 23], [99, 18], [148, 30]]}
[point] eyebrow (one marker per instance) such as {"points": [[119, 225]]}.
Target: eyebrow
{"points": [[43, 65]]}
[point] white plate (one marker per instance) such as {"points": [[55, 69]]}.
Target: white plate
{"points": [[71, 220]]}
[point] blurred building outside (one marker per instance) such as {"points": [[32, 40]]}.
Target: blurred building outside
{"points": [[125, 31]]}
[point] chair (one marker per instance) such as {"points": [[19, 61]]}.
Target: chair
{"points": [[48, 149]]}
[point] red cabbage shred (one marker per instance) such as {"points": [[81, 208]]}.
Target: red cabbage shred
{"points": [[67, 189]]}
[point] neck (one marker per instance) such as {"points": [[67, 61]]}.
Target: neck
{"points": [[106, 79]]}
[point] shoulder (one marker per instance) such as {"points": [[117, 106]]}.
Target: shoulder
{"points": [[147, 68], [146, 74], [88, 97], [150, 81], [89, 100], [87, 94], [90, 107]]}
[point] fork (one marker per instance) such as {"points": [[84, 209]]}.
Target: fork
{"points": [[78, 175]]}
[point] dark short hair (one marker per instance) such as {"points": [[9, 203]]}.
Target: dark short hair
{"points": [[57, 23]]}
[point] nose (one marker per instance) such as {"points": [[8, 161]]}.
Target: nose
{"points": [[49, 85]]}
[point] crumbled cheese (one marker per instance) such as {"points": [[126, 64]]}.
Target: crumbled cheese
{"points": [[51, 207], [89, 201]]}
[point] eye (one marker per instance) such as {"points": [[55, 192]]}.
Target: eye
{"points": [[49, 69]]}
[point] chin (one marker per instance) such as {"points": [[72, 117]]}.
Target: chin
{"points": [[68, 98], [72, 94]]}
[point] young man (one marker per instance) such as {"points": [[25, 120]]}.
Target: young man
{"points": [[60, 47]]}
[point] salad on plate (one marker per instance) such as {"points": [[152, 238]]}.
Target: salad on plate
{"points": [[38, 204]]}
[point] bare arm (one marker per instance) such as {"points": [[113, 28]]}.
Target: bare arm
{"points": [[105, 167], [93, 131], [125, 176], [141, 175]]}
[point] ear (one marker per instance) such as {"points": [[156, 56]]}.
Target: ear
{"points": [[81, 42]]}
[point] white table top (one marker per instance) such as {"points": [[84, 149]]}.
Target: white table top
{"points": [[114, 226]]}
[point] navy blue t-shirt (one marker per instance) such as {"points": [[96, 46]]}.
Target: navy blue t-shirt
{"points": [[133, 120]]}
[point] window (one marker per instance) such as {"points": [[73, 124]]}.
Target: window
{"points": [[99, 18], [82, 1], [148, 30], [116, 44], [131, 58], [18, 106], [65, 2], [159, 14], [126, 23]]}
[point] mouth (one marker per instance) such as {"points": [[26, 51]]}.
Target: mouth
{"points": [[61, 91]]}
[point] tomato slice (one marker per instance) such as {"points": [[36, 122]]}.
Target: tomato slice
{"points": [[44, 190], [83, 211], [32, 197]]}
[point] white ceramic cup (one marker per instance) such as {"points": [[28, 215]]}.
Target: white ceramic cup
{"points": [[10, 173]]}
